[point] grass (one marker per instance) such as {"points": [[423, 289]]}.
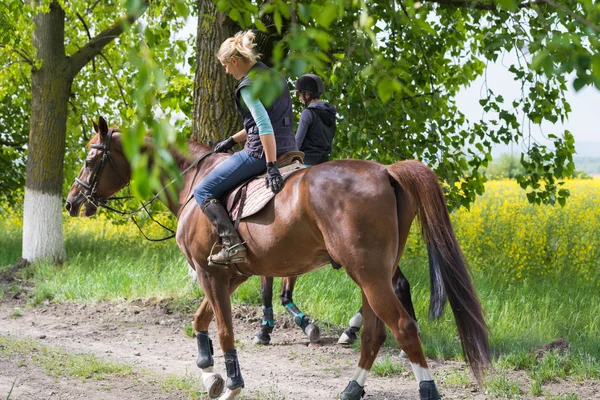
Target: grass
{"points": [[499, 386], [535, 270], [387, 367], [57, 362]]}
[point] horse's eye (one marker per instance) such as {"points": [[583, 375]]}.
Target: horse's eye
{"points": [[88, 163]]}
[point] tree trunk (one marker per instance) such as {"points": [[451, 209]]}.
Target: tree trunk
{"points": [[214, 116], [42, 214]]}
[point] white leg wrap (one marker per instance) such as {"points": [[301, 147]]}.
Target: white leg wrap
{"points": [[231, 394], [356, 321], [207, 376], [360, 376], [421, 374]]}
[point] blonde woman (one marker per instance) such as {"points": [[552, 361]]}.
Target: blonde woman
{"points": [[268, 133]]}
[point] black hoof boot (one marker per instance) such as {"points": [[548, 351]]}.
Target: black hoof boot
{"points": [[349, 336], [428, 391], [263, 336], [205, 350], [234, 375], [353, 392]]}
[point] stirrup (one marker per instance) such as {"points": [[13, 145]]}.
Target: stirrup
{"points": [[232, 260]]}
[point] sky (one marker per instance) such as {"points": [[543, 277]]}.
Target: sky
{"points": [[584, 119]]}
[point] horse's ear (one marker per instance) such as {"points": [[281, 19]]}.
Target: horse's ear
{"points": [[102, 127], [96, 129]]}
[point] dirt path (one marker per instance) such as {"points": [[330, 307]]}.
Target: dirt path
{"points": [[150, 337]]}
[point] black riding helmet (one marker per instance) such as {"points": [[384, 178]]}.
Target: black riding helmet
{"points": [[310, 83]]}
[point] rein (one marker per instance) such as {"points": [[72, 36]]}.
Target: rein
{"points": [[90, 189]]}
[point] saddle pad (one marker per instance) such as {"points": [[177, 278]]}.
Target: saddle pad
{"points": [[257, 193]]}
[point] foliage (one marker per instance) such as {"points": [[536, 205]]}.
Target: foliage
{"points": [[139, 74], [393, 69]]}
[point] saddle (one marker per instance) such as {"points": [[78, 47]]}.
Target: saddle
{"points": [[251, 196]]}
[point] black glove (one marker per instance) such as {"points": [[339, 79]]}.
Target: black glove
{"points": [[225, 145], [274, 179]]}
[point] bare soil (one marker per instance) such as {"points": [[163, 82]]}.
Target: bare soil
{"points": [[149, 335]]}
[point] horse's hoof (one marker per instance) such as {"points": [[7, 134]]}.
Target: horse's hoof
{"points": [[231, 394], [260, 339], [353, 392], [313, 333], [428, 391], [214, 384], [347, 338]]}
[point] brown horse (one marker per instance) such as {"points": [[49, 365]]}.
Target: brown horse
{"points": [[356, 212]]}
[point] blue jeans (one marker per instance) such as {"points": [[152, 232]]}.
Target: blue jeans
{"points": [[236, 169]]}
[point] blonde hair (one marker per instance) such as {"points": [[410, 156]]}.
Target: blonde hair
{"points": [[241, 45]]}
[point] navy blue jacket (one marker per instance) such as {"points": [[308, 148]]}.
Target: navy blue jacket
{"points": [[280, 114], [315, 132]]}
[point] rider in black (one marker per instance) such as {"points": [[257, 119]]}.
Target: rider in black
{"points": [[317, 124]]}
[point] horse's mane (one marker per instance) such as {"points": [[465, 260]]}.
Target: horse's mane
{"points": [[195, 149]]}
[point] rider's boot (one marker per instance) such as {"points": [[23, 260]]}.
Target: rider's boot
{"points": [[233, 250]]}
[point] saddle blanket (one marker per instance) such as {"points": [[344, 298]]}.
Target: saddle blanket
{"points": [[257, 193]]}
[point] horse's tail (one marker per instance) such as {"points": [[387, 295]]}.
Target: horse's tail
{"points": [[449, 272]]}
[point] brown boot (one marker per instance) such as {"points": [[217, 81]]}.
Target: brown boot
{"points": [[233, 250]]}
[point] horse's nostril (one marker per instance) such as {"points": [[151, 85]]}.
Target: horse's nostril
{"points": [[68, 206]]}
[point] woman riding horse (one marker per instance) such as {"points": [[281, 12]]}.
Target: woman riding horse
{"points": [[268, 133], [358, 213]]}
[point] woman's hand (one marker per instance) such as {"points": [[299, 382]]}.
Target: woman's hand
{"points": [[274, 179], [225, 145]]}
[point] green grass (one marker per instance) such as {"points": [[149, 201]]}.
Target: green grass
{"points": [[387, 367], [457, 378], [528, 302], [57, 362], [499, 386]]}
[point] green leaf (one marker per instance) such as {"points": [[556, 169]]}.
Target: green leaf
{"points": [[259, 25], [277, 20], [325, 14], [304, 11], [508, 4]]}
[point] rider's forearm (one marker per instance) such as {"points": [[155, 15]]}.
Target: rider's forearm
{"points": [[240, 136], [268, 142]]}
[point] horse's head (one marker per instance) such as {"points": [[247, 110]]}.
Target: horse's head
{"points": [[105, 172]]}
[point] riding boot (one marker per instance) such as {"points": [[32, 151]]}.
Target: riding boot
{"points": [[233, 250]]}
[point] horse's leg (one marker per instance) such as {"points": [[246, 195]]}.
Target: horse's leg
{"points": [[263, 336], [387, 307], [287, 290], [402, 290], [372, 338], [212, 381]]}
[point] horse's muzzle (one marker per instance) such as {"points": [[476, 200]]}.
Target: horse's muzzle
{"points": [[74, 207]]}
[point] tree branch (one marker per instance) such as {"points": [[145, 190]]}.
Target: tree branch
{"points": [[95, 45], [116, 79], [89, 35], [482, 6], [573, 14]]}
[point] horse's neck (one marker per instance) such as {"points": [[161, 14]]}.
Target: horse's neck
{"points": [[183, 163]]}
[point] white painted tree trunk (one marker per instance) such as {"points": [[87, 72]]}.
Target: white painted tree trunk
{"points": [[42, 227]]}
